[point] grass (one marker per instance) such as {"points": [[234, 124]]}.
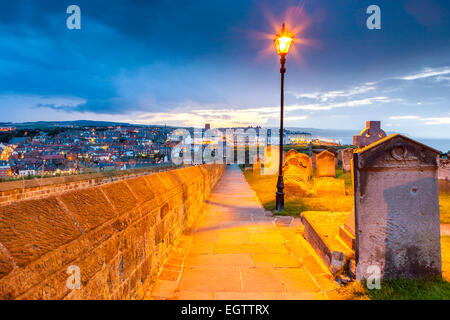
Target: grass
{"points": [[265, 188], [400, 289]]}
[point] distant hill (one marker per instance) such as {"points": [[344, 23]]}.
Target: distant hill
{"points": [[76, 123]]}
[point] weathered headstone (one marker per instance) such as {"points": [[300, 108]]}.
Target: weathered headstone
{"points": [[297, 172], [372, 133], [397, 209], [291, 153], [346, 158], [303, 159], [325, 164], [296, 177]]}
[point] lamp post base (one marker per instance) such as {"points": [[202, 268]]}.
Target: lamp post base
{"points": [[279, 199]]}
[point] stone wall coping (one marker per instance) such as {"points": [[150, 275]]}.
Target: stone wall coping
{"points": [[41, 182]]}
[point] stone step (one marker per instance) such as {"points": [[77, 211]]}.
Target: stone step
{"points": [[322, 232]]}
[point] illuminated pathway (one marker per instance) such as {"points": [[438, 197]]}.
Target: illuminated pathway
{"points": [[238, 251]]}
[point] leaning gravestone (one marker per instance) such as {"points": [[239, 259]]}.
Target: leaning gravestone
{"points": [[297, 172], [296, 177], [302, 158], [397, 209], [325, 164], [372, 133], [346, 158]]}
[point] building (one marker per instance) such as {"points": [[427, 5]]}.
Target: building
{"points": [[5, 170]]}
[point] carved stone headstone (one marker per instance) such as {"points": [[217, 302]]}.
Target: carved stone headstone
{"points": [[297, 171], [372, 133], [296, 177], [397, 209], [303, 159], [325, 164], [290, 153], [346, 158]]}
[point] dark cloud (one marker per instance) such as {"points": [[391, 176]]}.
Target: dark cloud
{"points": [[149, 55]]}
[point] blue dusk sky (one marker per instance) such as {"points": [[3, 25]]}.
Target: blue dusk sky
{"points": [[186, 62]]}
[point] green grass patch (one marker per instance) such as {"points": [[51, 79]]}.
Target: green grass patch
{"points": [[402, 289], [399, 289]]}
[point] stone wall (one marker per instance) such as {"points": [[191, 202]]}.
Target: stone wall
{"points": [[117, 234], [18, 190]]}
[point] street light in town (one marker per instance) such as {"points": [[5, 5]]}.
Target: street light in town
{"points": [[283, 42]]}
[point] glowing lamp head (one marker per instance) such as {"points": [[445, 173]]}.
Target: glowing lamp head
{"points": [[283, 41]]}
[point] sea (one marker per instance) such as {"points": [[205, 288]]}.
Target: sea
{"points": [[346, 137]]}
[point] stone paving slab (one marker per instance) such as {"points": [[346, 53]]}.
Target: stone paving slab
{"points": [[237, 251]]}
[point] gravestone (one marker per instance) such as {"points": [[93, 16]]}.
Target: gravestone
{"points": [[372, 133], [303, 159], [297, 172], [296, 176], [346, 158], [290, 153], [397, 209], [325, 164]]}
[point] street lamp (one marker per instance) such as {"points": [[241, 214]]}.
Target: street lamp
{"points": [[283, 42]]}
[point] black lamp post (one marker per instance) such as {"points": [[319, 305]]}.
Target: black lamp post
{"points": [[283, 42]]}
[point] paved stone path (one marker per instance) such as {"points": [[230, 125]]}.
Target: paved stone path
{"points": [[237, 250]]}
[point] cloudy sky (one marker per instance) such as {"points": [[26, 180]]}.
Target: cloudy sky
{"points": [[186, 62]]}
